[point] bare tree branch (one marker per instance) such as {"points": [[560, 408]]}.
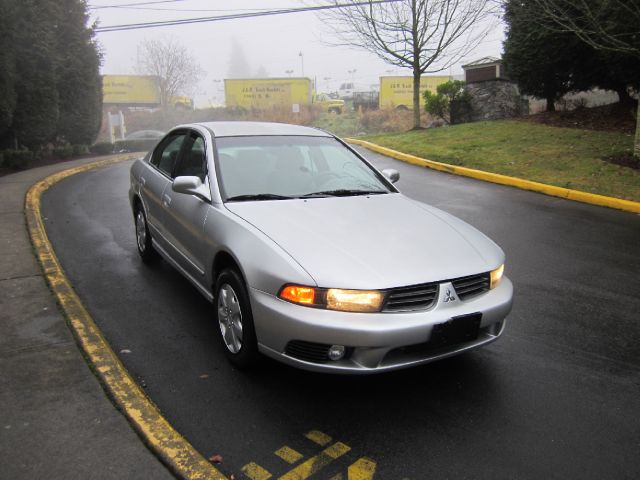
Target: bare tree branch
{"points": [[607, 25], [175, 69], [610, 25], [426, 36]]}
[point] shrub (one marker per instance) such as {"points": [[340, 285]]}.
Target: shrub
{"points": [[101, 148], [79, 150], [17, 159], [450, 96], [63, 152]]}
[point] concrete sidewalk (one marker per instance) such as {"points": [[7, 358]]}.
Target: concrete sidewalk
{"points": [[55, 420]]}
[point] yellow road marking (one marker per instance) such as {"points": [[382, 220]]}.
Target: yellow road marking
{"points": [[320, 438], [289, 455], [363, 469], [317, 463], [171, 447], [576, 195], [255, 472]]}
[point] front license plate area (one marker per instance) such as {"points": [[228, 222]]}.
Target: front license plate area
{"points": [[460, 329]]}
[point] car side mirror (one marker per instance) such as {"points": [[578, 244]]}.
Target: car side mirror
{"points": [[191, 185], [392, 174]]}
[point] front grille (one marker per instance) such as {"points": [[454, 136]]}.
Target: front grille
{"points": [[308, 351], [467, 287], [422, 297], [416, 297]]}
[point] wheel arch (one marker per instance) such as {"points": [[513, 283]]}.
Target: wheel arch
{"points": [[223, 259], [136, 202]]}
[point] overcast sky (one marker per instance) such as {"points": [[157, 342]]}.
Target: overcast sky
{"points": [[273, 42]]}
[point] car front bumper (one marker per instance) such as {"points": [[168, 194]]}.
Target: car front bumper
{"points": [[375, 342]]}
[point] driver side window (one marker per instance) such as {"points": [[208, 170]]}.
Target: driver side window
{"points": [[193, 161], [166, 156]]}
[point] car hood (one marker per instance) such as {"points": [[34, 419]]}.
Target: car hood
{"points": [[377, 241]]}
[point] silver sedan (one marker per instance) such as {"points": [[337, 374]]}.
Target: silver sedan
{"points": [[312, 256]]}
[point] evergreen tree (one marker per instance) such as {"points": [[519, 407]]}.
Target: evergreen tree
{"points": [[541, 61], [79, 84], [36, 112], [548, 63], [50, 87], [7, 66]]}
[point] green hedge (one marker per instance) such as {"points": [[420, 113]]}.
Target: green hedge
{"points": [[16, 159], [63, 152], [80, 150], [101, 148]]}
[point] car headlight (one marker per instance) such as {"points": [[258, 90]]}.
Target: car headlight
{"points": [[363, 301], [496, 276]]}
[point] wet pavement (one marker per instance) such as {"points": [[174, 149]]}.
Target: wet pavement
{"points": [[555, 397]]}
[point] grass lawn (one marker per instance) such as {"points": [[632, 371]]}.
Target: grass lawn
{"points": [[565, 157]]}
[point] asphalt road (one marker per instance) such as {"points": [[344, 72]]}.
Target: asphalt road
{"points": [[557, 397]]}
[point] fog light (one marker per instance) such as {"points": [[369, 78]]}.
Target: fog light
{"points": [[336, 352]]}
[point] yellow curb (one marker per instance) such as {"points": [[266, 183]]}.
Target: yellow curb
{"points": [[576, 195], [163, 440]]}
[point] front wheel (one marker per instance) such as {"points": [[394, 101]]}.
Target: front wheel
{"points": [[235, 320]]}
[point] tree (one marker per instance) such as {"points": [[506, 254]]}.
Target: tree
{"points": [[36, 110], [608, 26], [426, 36], [449, 96], [175, 69], [238, 64], [78, 83], [544, 63], [548, 63], [50, 87], [7, 65], [261, 72]]}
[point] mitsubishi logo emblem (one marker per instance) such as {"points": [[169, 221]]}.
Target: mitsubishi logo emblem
{"points": [[449, 297]]}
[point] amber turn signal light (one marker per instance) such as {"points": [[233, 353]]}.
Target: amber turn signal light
{"points": [[298, 294]]}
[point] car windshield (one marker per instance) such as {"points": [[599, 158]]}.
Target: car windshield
{"points": [[283, 167]]}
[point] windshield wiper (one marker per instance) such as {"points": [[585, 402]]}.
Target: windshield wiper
{"points": [[258, 196], [344, 192]]}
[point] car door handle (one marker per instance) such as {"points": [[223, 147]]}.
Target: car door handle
{"points": [[166, 200], [142, 181]]}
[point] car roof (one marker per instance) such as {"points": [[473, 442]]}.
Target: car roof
{"points": [[241, 129]]}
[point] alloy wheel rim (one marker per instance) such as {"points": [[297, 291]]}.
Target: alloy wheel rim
{"points": [[141, 231], [230, 318]]}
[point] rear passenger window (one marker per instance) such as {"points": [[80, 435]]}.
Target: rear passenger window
{"points": [[167, 154]]}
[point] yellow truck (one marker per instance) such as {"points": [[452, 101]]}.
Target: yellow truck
{"points": [[137, 91], [181, 102], [134, 90], [397, 92], [266, 93]]}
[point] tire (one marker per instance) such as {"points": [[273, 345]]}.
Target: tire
{"points": [[235, 320], [143, 238]]}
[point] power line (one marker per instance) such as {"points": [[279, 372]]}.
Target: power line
{"points": [[159, 9], [97, 7], [186, 21]]}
